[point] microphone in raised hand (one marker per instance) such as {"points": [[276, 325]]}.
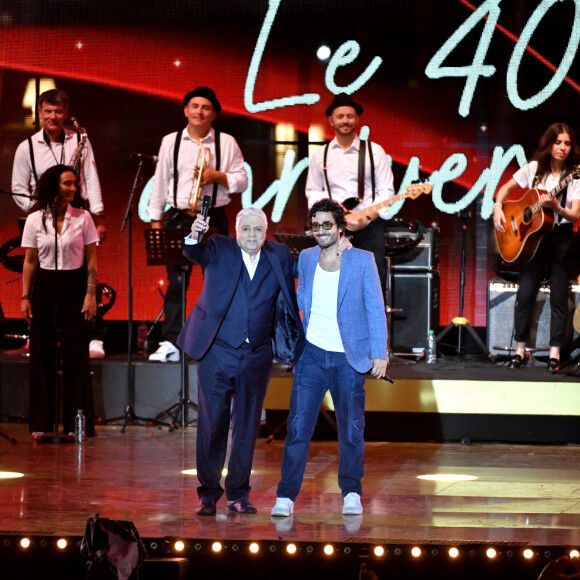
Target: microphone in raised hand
{"points": [[205, 205]]}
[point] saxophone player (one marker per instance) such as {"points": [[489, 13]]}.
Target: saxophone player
{"points": [[55, 145]]}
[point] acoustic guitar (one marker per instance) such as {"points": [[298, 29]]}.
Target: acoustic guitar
{"points": [[527, 222], [412, 191]]}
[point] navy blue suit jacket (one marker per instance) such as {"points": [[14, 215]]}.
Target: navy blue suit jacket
{"points": [[221, 261]]}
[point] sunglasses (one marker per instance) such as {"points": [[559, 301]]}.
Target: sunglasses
{"points": [[323, 225]]}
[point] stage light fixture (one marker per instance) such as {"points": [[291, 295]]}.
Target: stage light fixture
{"points": [[328, 550], [25, 543], [309, 549], [189, 472], [272, 547], [447, 477], [61, 543], [528, 554], [574, 554], [254, 548], [453, 552], [416, 552], [224, 471], [379, 551], [491, 553], [291, 548], [217, 547], [179, 546], [323, 52], [10, 474], [235, 547]]}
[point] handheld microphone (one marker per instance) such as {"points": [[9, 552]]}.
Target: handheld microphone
{"points": [[205, 203], [152, 158]]}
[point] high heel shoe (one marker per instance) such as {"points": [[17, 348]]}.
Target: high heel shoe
{"points": [[515, 362], [552, 366]]}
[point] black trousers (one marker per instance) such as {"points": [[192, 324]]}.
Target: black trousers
{"points": [[372, 239], [233, 379], [173, 321], [550, 254], [57, 301]]}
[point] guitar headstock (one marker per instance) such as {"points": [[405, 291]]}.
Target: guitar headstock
{"points": [[416, 189]]}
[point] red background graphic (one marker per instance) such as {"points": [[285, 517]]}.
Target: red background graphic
{"points": [[118, 64]]}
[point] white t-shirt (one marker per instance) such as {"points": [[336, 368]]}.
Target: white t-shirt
{"points": [[323, 328]]}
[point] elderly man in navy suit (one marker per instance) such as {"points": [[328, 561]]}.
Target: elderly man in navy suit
{"points": [[246, 309], [346, 337]]}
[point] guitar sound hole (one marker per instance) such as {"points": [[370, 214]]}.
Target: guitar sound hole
{"points": [[351, 203], [527, 215]]}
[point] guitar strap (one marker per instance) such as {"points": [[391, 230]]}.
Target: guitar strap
{"points": [[361, 170], [176, 172]]}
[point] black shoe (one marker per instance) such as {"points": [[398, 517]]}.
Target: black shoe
{"points": [[516, 362], [206, 507], [242, 506], [553, 365]]}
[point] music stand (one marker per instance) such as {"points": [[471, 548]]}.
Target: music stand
{"points": [[163, 248]]}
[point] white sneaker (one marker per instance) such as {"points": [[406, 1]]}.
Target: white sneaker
{"points": [[283, 508], [96, 349], [166, 352], [352, 505]]}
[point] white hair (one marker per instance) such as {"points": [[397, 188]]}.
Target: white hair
{"points": [[251, 211]]}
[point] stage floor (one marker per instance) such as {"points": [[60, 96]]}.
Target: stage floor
{"points": [[522, 497], [527, 495]]}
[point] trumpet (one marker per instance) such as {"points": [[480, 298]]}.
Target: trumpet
{"points": [[75, 161], [203, 157]]}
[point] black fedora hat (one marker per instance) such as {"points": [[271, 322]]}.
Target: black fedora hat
{"points": [[343, 100], [206, 93]]}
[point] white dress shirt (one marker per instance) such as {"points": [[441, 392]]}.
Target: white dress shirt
{"points": [[48, 154], [232, 164], [342, 170], [525, 177], [77, 232]]}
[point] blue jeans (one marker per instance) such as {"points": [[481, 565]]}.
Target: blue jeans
{"points": [[316, 372]]}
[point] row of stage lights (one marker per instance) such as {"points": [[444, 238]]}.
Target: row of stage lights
{"points": [[168, 547]]}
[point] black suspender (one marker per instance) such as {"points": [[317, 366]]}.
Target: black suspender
{"points": [[175, 170], [361, 170], [32, 159], [218, 155], [32, 162], [178, 138]]}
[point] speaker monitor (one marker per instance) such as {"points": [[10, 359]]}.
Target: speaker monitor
{"points": [[501, 299], [423, 257], [415, 300]]}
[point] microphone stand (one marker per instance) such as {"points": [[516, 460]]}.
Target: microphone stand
{"points": [[129, 413]]}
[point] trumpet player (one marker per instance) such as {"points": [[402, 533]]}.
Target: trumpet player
{"points": [[54, 145], [179, 183]]}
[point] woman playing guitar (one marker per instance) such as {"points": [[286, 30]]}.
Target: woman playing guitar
{"points": [[556, 156]]}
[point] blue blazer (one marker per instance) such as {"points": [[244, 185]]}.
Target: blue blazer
{"points": [[360, 308], [221, 261]]}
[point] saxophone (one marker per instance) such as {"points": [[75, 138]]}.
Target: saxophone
{"points": [[76, 159]]}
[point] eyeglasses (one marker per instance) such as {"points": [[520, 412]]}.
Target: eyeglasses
{"points": [[323, 225]]}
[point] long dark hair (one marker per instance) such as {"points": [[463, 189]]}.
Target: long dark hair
{"points": [[543, 153], [327, 205], [48, 189]]}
